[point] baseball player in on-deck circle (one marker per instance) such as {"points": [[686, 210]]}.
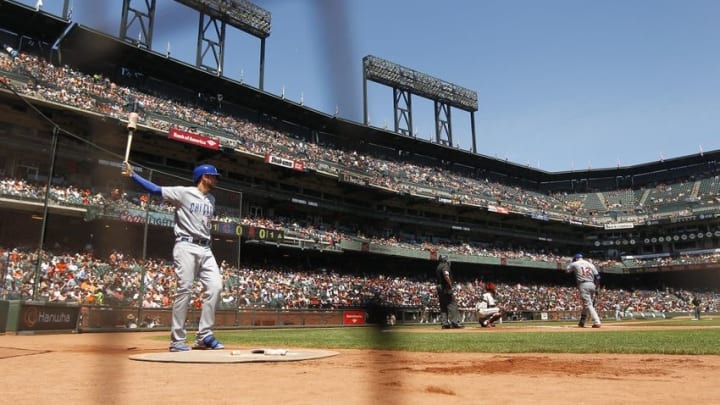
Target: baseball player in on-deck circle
{"points": [[586, 275], [194, 209]]}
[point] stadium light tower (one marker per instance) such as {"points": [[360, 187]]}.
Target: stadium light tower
{"points": [[145, 18], [240, 14], [405, 82]]}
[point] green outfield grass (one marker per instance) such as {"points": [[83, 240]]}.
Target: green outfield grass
{"points": [[551, 337]]}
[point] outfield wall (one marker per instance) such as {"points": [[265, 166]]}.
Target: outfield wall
{"points": [[32, 317]]}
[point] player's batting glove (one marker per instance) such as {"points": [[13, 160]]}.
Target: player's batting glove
{"points": [[127, 169]]}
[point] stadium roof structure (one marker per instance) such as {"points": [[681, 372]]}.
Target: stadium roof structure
{"points": [[95, 52], [24, 20]]}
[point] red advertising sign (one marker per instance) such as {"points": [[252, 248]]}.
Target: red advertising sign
{"points": [[353, 318], [499, 210], [195, 139]]}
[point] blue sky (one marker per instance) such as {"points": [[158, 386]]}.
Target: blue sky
{"points": [[562, 84]]}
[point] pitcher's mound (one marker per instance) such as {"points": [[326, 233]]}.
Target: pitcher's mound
{"points": [[234, 356]]}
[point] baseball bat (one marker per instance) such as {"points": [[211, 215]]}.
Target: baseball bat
{"points": [[132, 126]]}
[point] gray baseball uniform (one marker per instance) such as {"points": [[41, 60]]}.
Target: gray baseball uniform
{"points": [[193, 258], [585, 273]]}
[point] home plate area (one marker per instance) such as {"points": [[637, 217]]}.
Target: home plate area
{"points": [[234, 356]]}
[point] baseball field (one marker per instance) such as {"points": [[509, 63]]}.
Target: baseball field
{"points": [[650, 361]]}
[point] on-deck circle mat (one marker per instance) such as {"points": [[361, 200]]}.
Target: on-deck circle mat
{"points": [[234, 356]]}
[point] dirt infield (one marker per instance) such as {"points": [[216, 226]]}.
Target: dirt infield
{"points": [[95, 368]]}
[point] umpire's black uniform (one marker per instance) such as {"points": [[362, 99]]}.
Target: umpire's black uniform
{"points": [[448, 306]]}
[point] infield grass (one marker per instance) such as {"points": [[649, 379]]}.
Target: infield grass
{"points": [[685, 337]]}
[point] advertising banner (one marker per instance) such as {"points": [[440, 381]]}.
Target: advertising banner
{"points": [[286, 163], [353, 318], [194, 139], [47, 317]]}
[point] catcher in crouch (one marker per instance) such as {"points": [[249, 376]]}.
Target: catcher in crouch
{"points": [[487, 309]]}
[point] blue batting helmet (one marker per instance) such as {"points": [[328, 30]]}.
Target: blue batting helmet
{"points": [[204, 169], [578, 255]]}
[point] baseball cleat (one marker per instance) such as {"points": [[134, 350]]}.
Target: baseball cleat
{"points": [[179, 347], [597, 325], [208, 343]]}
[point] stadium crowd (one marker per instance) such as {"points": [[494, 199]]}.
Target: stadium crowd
{"points": [[120, 280], [36, 77], [73, 195]]}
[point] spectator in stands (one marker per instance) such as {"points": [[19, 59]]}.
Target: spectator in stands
{"points": [[130, 322]]}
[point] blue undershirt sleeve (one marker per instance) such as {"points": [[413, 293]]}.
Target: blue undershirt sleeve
{"points": [[147, 184]]}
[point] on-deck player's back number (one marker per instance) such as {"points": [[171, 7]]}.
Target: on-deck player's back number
{"points": [[586, 271]]}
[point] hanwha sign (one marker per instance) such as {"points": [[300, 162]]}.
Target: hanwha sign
{"points": [[48, 317]]}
